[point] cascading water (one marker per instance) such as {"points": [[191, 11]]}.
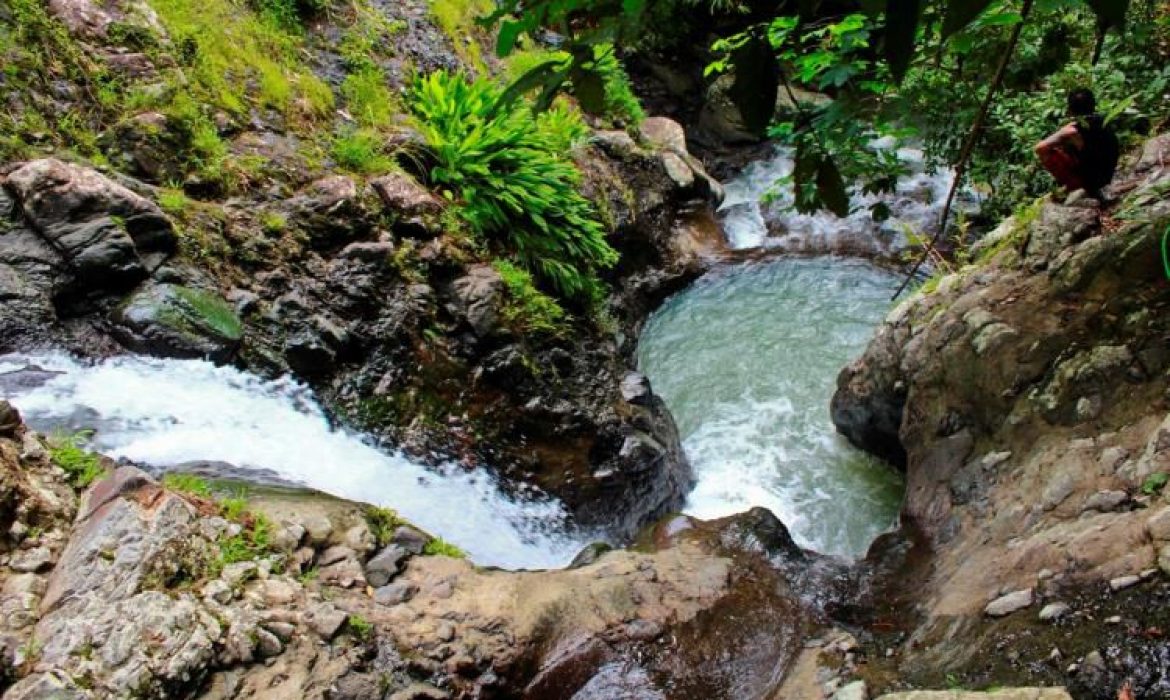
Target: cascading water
{"points": [[168, 412], [746, 360], [752, 222]]}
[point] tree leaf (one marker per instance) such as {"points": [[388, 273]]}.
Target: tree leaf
{"points": [[588, 88], [1110, 13], [960, 13], [901, 29], [831, 187], [550, 73], [757, 80], [506, 39]]}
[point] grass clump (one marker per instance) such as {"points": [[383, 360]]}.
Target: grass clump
{"points": [[515, 185], [1154, 483], [527, 308], [456, 18], [361, 628], [382, 523], [174, 201], [69, 453], [439, 547], [368, 98], [360, 151], [187, 483]]}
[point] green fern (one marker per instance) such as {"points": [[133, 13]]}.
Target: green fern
{"points": [[512, 176]]}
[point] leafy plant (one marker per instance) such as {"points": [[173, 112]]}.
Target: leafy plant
{"points": [[212, 311], [527, 308], [441, 548], [382, 523], [187, 483], [173, 201], [367, 97], [514, 184], [69, 453], [1155, 482]]}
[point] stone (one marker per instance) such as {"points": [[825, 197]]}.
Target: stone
{"points": [[1000, 694], [101, 228], [283, 630], [318, 527], [416, 211], [325, 620], [1054, 611], [664, 133], [346, 573], [334, 554], [1158, 525], [9, 419], [677, 169], [852, 691], [277, 592], [635, 389], [1105, 501], [32, 560], [360, 539], [171, 320], [411, 539], [218, 590], [1093, 663], [476, 296], [239, 573], [420, 691], [331, 211], [267, 643], [1164, 559], [1009, 603], [1122, 582], [395, 593], [288, 538], [385, 565]]}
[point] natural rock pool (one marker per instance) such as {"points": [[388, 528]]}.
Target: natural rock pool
{"points": [[747, 360]]}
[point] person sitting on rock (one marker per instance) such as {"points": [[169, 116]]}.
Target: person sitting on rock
{"points": [[1083, 154]]}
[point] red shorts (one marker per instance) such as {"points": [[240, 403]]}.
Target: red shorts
{"points": [[1064, 166]]}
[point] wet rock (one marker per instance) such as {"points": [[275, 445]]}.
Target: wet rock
{"points": [[636, 389], [385, 565], [664, 133], [590, 554], [170, 320], [1009, 603], [477, 296], [416, 211], [107, 234], [9, 419], [678, 171], [331, 211]]}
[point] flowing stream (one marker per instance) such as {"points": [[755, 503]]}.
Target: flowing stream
{"points": [[168, 412], [746, 360]]}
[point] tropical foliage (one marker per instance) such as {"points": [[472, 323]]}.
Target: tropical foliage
{"points": [[510, 173]]}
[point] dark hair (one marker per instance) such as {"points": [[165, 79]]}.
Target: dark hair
{"points": [[1081, 102]]}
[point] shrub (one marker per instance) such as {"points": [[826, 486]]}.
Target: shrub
{"points": [[621, 104], [382, 523], [514, 181], [362, 628], [441, 548]]}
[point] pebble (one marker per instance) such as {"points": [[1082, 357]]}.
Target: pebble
{"points": [[1114, 620], [384, 567], [267, 643], [335, 554], [1054, 611], [1123, 582], [395, 593], [325, 620], [318, 527], [1010, 603]]}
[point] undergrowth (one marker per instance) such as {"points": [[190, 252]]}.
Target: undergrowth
{"points": [[442, 548], [513, 181], [527, 308], [69, 453]]}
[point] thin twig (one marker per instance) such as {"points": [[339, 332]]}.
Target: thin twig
{"points": [[972, 139]]}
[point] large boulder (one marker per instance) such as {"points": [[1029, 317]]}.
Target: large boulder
{"points": [[108, 236], [171, 320]]}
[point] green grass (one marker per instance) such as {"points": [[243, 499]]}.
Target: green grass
{"points": [[442, 548], [527, 308], [1154, 483], [174, 201], [368, 99], [360, 151], [457, 20], [212, 310], [82, 466], [382, 523], [361, 628], [273, 223], [187, 483]]}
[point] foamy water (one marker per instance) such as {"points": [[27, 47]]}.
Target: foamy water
{"points": [[167, 412], [747, 361], [915, 206]]}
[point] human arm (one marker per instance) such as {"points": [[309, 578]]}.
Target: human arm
{"points": [[1067, 136]]}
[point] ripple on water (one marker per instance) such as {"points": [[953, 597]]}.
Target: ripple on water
{"points": [[747, 360]]}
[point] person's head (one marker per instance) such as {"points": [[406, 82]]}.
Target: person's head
{"points": [[1081, 102]]}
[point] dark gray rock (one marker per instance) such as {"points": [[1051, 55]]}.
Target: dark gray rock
{"points": [[410, 539], [172, 320], [384, 566], [414, 210]]}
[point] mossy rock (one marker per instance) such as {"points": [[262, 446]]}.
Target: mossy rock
{"points": [[171, 320]]}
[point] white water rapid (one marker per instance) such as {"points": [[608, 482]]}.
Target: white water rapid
{"points": [[751, 222], [167, 412]]}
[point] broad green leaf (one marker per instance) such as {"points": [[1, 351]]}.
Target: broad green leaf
{"points": [[960, 13], [506, 39], [901, 29], [550, 73]]}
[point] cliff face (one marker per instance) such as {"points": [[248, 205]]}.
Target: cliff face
{"points": [[1028, 395]]}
